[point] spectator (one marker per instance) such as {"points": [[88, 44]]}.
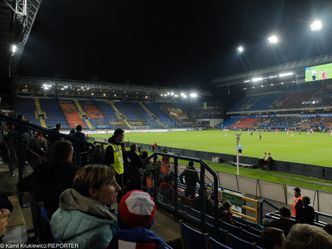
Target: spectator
{"points": [[328, 228], [82, 216], [262, 161], [225, 212], [51, 178], [303, 236], [154, 147], [72, 132], [136, 216], [190, 176], [79, 134], [134, 171], [5, 210], [284, 223], [297, 200], [166, 190], [198, 202], [273, 238], [55, 137], [304, 212]]}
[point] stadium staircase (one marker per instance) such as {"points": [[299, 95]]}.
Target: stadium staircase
{"points": [[82, 114], [120, 115], [152, 115], [72, 115], [39, 114], [53, 113]]}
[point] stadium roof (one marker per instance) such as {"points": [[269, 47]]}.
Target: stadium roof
{"points": [[16, 20], [285, 67]]}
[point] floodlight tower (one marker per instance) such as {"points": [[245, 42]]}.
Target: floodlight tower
{"points": [[237, 136]]}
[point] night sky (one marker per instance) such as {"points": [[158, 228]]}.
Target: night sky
{"points": [[169, 43]]}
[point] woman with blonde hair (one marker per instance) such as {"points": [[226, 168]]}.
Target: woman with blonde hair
{"points": [[83, 216]]}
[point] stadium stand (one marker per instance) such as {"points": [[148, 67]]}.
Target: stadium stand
{"points": [[71, 113], [53, 112], [96, 118], [156, 109], [26, 106]]}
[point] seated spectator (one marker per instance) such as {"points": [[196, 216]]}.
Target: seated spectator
{"points": [[225, 212], [136, 216], [198, 202], [51, 178], [273, 238], [284, 223], [5, 210], [304, 212], [83, 216], [303, 236]]}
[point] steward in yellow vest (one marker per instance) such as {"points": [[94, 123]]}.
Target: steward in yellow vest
{"points": [[113, 154]]}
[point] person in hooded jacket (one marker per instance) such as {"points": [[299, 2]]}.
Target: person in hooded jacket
{"points": [[83, 216]]}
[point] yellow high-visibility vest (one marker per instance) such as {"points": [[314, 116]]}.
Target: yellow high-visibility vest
{"points": [[118, 159]]}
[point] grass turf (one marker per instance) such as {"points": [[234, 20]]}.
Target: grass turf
{"points": [[304, 148]]}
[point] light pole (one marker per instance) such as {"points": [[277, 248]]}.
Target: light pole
{"points": [[237, 136]]}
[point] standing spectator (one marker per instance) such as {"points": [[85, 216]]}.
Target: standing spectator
{"points": [[79, 134], [136, 216], [55, 137], [72, 132], [262, 161], [190, 176], [134, 171], [284, 223], [297, 200], [83, 216], [154, 147], [51, 178], [166, 190], [304, 212]]}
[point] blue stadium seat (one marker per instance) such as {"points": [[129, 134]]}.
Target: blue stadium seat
{"points": [[239, 243], [192, 238], [231, 228], [251, 237], [214, 244]]}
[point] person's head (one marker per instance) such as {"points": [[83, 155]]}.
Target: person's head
{"points": [[62, 151], [133, 147], [98, 182], [190, 164], [72, 131], [79, 128], [20, 117], [273, 238], [145, 155], [307, 236], [118, 135], [58, 127], [328, 228], [284, 213], [297, 192], [305, 200], [226, 205], [6, 207], [137, 209]]}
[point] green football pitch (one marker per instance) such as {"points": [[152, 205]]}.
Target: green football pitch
{"points": [[315, 149]]}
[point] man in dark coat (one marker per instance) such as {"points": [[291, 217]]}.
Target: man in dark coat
{"points": [[190, 176], [304, 212], [50, 179], [284, 223]]}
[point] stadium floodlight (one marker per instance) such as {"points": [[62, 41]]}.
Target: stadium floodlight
{"points": [[46, 86], [13, 49], [257, 79], [262, 86], [172, 93], [92, 94], [183, 95], [240, 49], [176, 96], [273, 39], [161, 95], [271, 84], [316, 25], [247, 81], [285, 74], [193, 95]]}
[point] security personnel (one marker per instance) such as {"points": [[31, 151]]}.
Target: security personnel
{"points": [[297, 200], [114, 154]]}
